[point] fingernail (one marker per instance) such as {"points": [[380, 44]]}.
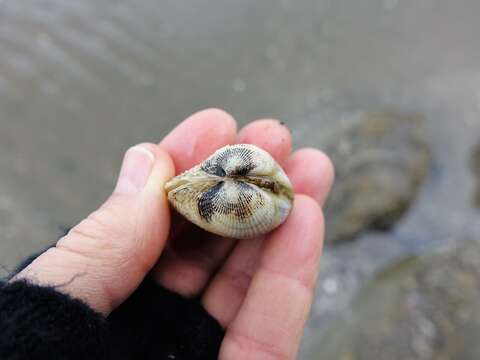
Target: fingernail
{"points": [[136, 168]]}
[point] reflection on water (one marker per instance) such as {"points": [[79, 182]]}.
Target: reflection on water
{"points": [[81, 81]]}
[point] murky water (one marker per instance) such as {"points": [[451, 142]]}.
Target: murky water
{"points": [[81, 81]]}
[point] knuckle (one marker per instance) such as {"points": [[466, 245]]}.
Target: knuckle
{"points": [[102, 234], [105, 223]]}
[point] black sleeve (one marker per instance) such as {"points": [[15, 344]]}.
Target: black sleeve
{"points": [[39, 322], [155, 323]]}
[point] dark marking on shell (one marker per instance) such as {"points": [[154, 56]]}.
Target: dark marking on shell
{"points": [[243, 208], [242, 170], [213, 168], [206, 202], [217, 165], [213, 202]]}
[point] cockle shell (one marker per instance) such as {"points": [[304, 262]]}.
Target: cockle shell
{"points": [[239, 191]]}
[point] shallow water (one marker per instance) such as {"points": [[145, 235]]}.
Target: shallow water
{"points": [[82, 81]]}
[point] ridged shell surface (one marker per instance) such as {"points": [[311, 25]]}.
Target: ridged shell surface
{"points": [[239, 191]]}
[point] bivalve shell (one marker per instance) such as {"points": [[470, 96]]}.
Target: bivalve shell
{"points": [[239, 191]]}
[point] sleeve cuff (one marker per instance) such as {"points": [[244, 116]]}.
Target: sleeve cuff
{"points": [[39, 322]]}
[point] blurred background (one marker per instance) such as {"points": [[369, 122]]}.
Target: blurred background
{"points": [[390, 89]]}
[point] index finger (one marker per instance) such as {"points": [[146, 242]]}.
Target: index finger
{"points": [[198, 136]]}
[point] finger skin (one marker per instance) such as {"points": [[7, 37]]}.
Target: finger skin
{"points": [[187, 264], [311, 173], [103, 259], [270, 322], [224, 295], [199, 136], [269, 135], [187, 269], [190, 258]]}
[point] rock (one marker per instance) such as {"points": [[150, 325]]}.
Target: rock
{"points": [[419, 309], [380, 161], [475, 166]]}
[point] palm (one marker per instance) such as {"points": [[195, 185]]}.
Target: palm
{"points": [[260, 290]]}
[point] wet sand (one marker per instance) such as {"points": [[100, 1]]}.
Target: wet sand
{"points": [[81, 82]]}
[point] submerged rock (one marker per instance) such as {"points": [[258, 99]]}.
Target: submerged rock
{"points": [[475, 165], [380, 161], [419, 309]]}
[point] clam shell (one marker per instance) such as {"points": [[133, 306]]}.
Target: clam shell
{"points": [[239, 191]]}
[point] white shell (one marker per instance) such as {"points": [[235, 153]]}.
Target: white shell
{"points": [[239, 191]]}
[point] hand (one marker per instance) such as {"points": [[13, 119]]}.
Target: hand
{"points": [[260, 290]]}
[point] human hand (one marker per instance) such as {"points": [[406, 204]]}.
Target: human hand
{"points": [[260, 290]]}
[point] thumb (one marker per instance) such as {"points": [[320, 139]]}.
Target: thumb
{"points": [[104, 258]]}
